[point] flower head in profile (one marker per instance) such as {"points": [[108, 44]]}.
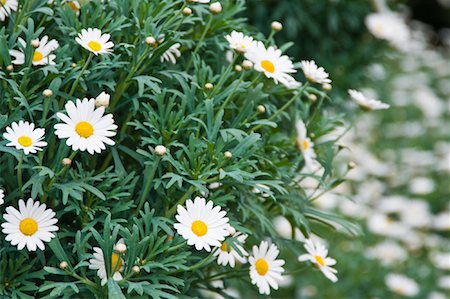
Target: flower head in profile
{"points": [[227, 255], [314, 73], [95, 41], [42, 54], [202, 224], [2, 196], [85, 127], [317, 254], [366, 103], [271, 63], [30, 226], [98, 263], [24, 136], [6, 7], [240, 42], [171, 54], [305, 145]]}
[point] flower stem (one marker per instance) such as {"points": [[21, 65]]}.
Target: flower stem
{"points": [[75, 84], [181, 201], [236, 86], [148, 184], [199, 42], [19, 173]]}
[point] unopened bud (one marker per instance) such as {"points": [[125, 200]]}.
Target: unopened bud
{"points": [[231, 230], [136, 269], [327, 86], [351, 165], [35, 43], [10, 68], [73, 65], [261, 109], [312, 97], [228, 155], [187, 11], [247, 65], [66, 162], [102, 100], [120, 247], [63, 265], [209, 86], [215, 8], [160, 150], [238, 68], [276, 26], [47, 93], [151, 41]]}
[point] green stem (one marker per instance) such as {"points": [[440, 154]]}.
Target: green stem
{"points": [[181, 201], [232, 92], [19, 173], [199, 42], [148, 184], [75, 84], [58, 174]]}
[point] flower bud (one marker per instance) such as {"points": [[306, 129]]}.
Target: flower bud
{"points": [[209, 86], [10, 68], [312, 97], [73, 65], [247, 65], [63, 265], [276, 26], [238, 68], [160, 150], [187, 11], [136, 269], [351, 165], [151, 41], [261, 109], [215, 8], [228, 155], [102, 100], [66, 162], [47, 93], [231, 230], [120, 247], [327, 86], [35, 43]]}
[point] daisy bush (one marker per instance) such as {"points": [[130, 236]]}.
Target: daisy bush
{"points": [[147, 147]]}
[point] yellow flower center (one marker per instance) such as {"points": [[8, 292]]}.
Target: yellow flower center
{"points": [[37, 56], [25, 141], [305, 144], [28, 226], [199, 228], [225, 247], [320, 260], [261, 267], [116, 262], [268, 66], [84, 129], [73, 6], [94, 46], [3, 2]]}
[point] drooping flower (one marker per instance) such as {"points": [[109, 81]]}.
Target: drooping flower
{"points": [[317, 254], [306, 146], [240, 42], [366, 103], [95, 41], [98, 263], [85, 127], [265, 269], [171, 54], [30, 226], [24, 136], [42, 54], [314, 73], [227, 255], [202, 224], [272, 63], [6, 7]]}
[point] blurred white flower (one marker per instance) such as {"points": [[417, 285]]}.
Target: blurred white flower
{"points": [[366, 103], [171, 54], [440, 260], [402, 285], [6, 7], [388, 253], [389, 26], [444, 282]]}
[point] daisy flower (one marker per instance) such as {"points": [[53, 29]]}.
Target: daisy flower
{"points": [[305, 145], [202, 224], [389, 26], [366, 103], [30, 225], [317, 254], [6, 7], [75, 6], [24, 136], [93, 40], [227, 255], [171, 54], [85, 126], [265, 269], [240, 42], [402, 285], [42, 54], [272, 63], [98, 263], [2, 196], [314, 73]]}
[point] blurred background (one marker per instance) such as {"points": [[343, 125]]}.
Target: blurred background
{"points": [[399, 190]]}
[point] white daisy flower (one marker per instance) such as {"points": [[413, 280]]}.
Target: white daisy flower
{"points": [[200, 1], [24, 136], [202, 224], [2, 196], [306, 146], [272, 63], [86, 127], [31, 225], [317, 254], [171, 54], [366, 103], [240, 42], [42, 54], [75, 6], [6, 7], [314, 73], [389, 26], [402, 285], [265, 269], [93, 40], [98, 263], [227, 255]]}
